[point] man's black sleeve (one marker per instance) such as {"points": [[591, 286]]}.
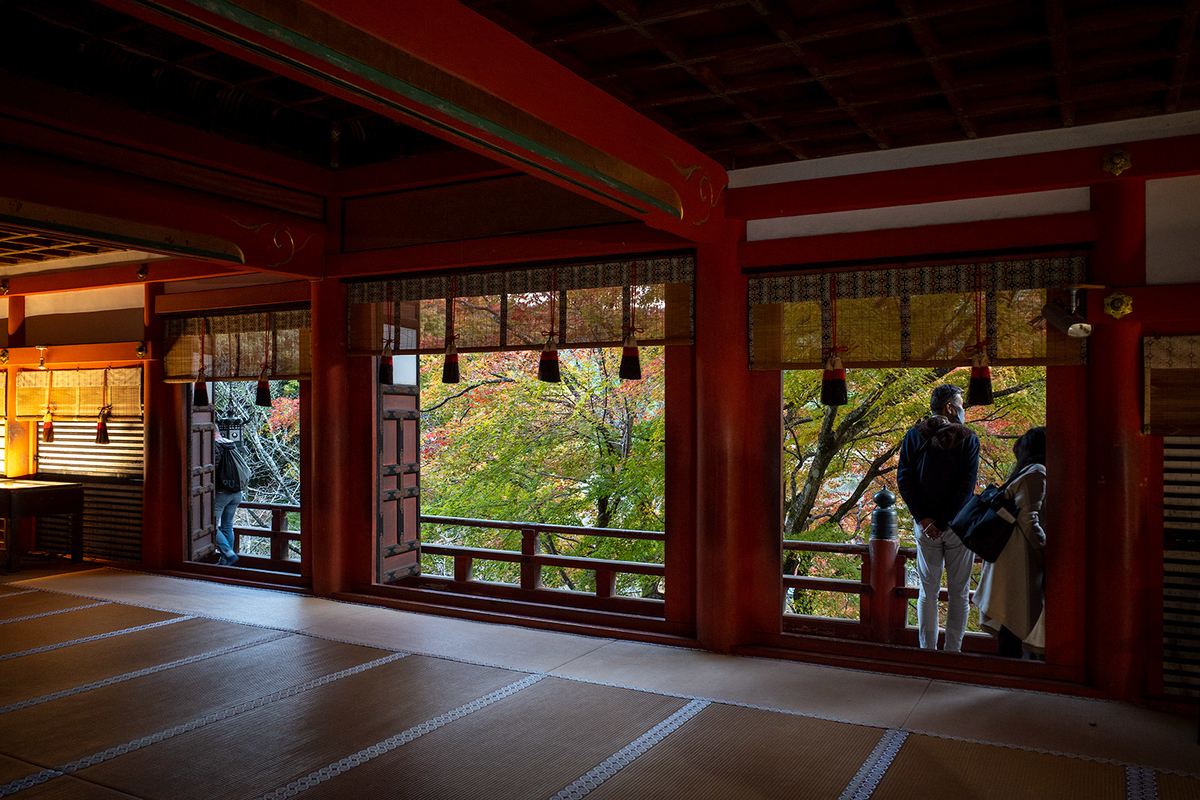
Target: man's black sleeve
{"points": [[908, 477]]}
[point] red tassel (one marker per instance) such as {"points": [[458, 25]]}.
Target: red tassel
{"points": [[548, 363], [631, 362], [262, 397], [979, 391], [833, 383], [200, 392], [385, 367], [47, 428], [102, 427], [450, 373]]}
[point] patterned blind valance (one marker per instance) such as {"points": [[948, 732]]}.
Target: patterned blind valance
{"points": [[79, 393], [1172, 391], [918, 316], [239, 346], [510, 309]]}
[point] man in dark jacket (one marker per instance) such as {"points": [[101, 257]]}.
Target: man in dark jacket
{"points": [[939, 461]]}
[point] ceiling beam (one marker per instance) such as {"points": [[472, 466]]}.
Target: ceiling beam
{"points": [[1185, 37]]}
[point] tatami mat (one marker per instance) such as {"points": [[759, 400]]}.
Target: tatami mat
{"points": [[735, 753], [44, 631], [15, 606], [38, 674], [933, 767], [70, 788], [113, 715], [528, 745], [277, 708], [255, 752]]}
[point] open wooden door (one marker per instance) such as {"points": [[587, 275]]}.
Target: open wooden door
{"points": [[202, 527], [398, 443]]}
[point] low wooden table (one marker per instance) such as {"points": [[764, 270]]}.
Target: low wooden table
{"points": [[20, 498]]}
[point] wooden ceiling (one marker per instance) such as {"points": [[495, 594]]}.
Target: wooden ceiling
{"points": [[755, 82], [88, 48]]}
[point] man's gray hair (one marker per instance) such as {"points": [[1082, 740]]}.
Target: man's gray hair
{"points": [[942, 395]]}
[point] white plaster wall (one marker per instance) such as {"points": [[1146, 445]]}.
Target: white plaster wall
{"points": [[108, 299], [1031, 204], [1173, 230]]}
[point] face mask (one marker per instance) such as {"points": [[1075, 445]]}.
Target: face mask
{"points": [[960, 415]]}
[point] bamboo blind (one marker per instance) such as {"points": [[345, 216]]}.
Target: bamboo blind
{"points": [[586, 305], [916, 316], [79, 393], [238, 346]]}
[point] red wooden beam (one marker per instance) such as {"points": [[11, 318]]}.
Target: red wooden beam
{"points": [[440, 67], [122, 275], [240, 297], [1151, 304], [608, 240], [997, 176], [412, 173], [1054, 229], [90, 202]]}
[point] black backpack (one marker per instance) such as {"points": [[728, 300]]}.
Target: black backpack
{"points": [[227, 479], [986, 522]]}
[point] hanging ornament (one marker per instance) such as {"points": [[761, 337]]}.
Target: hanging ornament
{"points": [[979, 390], [833, 380], [548, 370], [102, 425], [262, 396], [450, 373], [105, 410], [386, 373], [48, 419], [200, 392], [631, 362], [385, 366]]}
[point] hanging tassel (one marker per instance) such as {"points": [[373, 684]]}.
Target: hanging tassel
{"points": [[631, 362], [833, 383], [47, 428], [548, 363], [200, 392], [385, 366], [450, 372], [979, 391], [262, 397], [102, 425]]}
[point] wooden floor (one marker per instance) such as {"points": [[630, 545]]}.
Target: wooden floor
{"points": [[117, 684]]}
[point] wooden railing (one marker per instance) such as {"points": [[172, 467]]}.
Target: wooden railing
{"points": [[532, 560], [884, 595], [280, 535]]}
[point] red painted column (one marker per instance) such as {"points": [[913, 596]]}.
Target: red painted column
{"points": [[738, 440], [1120, 561], [341, 445], [164, 512]]}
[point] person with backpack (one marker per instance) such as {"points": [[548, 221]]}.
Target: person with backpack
{"points": [[228, 471], [939, 461], [1011, 591]]}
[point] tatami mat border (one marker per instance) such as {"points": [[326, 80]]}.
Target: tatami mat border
{"points": [[19, 592], [141, 673], [225, 713], [98, 636], [1027, 748], [56, 611], [1140, 784], [404, 737]]}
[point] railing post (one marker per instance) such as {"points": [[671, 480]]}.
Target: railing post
{"points": [[606, 583], [278, 544], [463, 566], [531, 571], [883, 545]]}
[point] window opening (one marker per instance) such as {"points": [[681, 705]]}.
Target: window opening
{"points": [[836, 458]]}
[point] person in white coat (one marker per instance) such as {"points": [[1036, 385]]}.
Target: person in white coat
{"points": [[1011, 592]]}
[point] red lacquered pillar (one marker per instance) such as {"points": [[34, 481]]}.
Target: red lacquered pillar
{"points": [[164, 511], [1120, 560], [738, 440], [341, 446]]}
